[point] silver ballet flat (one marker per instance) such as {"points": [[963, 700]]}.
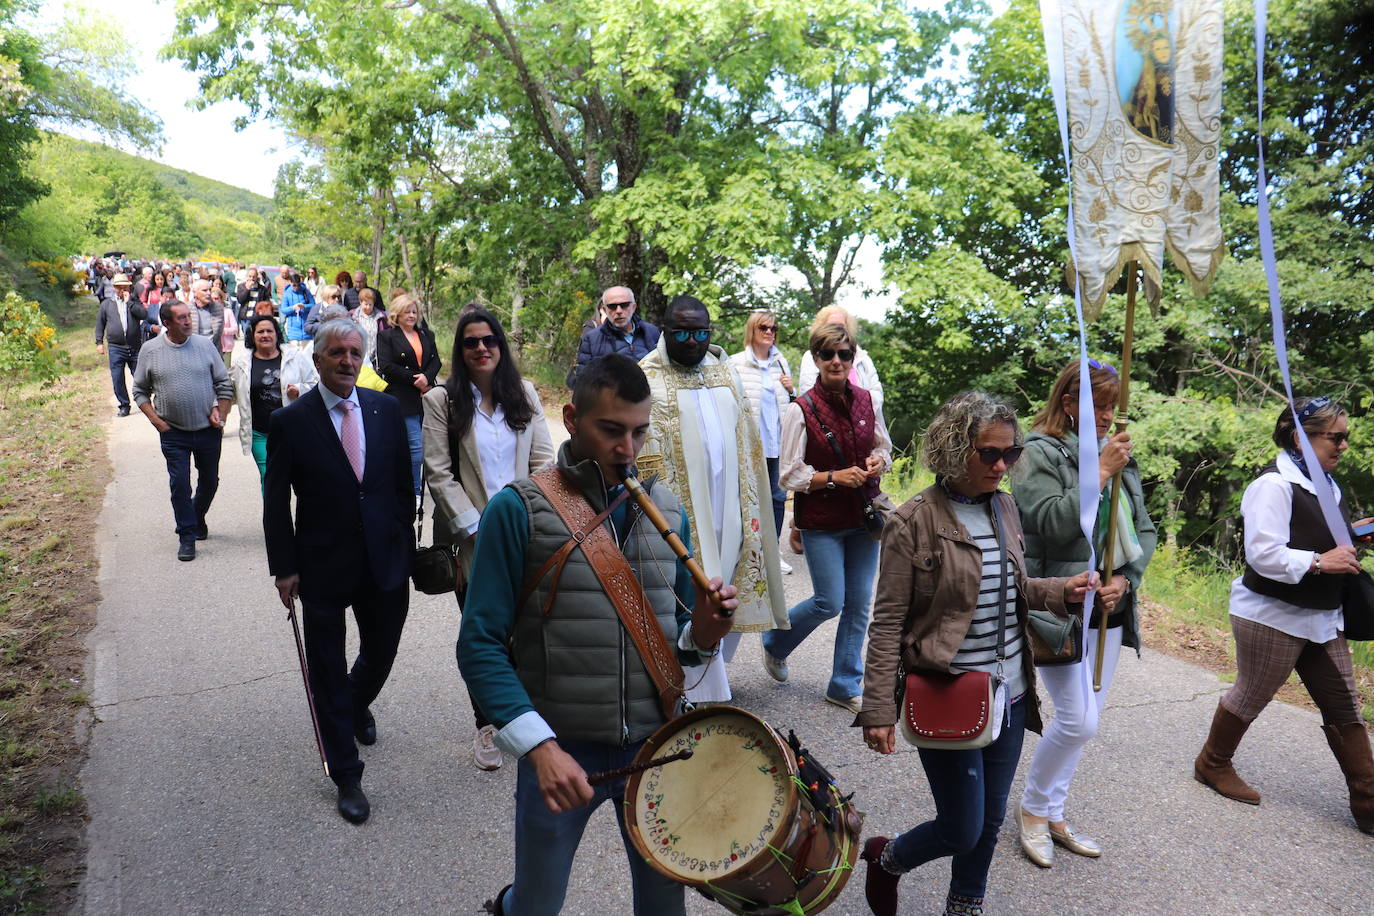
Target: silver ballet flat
{"points": [[1035, 841], [1077, 842]]}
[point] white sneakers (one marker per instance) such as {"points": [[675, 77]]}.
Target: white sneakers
{"points": [[776, 667], [786, 567], [485, 754]]}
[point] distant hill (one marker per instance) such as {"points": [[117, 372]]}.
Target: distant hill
{"points": [[102, 198]]}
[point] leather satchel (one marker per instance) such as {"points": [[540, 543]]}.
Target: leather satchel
{"points": [[617, 580], [960, 710], [1357, 602]]}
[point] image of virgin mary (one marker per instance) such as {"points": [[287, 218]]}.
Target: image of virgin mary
{"points": [[1151, 106]]}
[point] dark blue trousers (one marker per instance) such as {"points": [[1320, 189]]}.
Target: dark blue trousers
{"points": [[179, 446], [119, 357]]}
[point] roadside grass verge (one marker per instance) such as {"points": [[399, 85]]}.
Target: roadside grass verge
{"points": [[54, 462]]}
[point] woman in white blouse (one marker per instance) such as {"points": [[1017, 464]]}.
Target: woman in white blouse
{"points": [[483, 428], [768, 385], [1286, 610]]}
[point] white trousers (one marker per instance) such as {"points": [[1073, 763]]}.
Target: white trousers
{"points": [[1077, 708]]}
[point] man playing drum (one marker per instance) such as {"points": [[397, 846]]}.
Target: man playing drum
{"points": [[554, 659]]}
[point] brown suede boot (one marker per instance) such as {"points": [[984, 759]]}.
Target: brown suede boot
{"points": [[1213, 765], [1350, 744]]}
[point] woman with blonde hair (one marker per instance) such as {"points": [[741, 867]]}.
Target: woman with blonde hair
{"points": [[768, 385], [408, 359], [1047, 496]]}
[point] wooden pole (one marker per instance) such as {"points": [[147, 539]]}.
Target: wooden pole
{"points": [[1123, 403]]}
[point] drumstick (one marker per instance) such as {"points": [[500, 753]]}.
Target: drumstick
{"points": [[597, 779], [656, 518]]}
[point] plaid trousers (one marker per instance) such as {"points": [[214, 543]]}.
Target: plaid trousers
{"points": [[1266, 656]]}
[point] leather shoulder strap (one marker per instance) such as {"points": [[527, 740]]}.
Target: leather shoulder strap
{"points": [[617, 580]]}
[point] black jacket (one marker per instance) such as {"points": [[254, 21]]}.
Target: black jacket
{"points": [[396, 364], [107, 323]]}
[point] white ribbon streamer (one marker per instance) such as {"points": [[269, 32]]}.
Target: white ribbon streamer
{"points": [[1320, 485], [1089, 490]]}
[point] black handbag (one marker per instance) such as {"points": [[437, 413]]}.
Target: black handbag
{"points": [[1357, 602], [434, 569]]}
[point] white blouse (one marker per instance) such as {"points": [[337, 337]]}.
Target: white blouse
{"points": [[1268, 511]]}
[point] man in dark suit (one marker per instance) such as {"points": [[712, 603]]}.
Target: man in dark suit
{"points": [[343, 450]]}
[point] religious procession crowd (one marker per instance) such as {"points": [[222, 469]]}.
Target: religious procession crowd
{"points": [[587, 637]]}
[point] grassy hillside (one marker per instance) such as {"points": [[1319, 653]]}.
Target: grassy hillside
{"points": [[101, 199]]}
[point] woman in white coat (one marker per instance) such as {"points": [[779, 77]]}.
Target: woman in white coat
{"points": [[482, 429], [266, 377], [768, 385]]}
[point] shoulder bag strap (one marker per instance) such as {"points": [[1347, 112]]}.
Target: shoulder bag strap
{"points": [[560, 556], [619, 583], [829, 436]]}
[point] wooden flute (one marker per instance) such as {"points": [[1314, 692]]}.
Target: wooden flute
{"points": [[656, 519]]}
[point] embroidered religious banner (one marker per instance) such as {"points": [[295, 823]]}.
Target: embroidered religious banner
{"points": [[1143, 81]]}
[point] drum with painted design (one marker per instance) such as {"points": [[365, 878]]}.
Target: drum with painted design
{"points": [[739, 821]]}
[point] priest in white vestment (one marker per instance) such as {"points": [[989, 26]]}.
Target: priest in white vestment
{"points": [[704, 444]]}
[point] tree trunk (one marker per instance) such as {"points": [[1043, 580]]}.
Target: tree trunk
{"points": [[517, 303]]}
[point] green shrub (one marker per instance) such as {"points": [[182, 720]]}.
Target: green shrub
{"points": [[59, 274], [28, 344]]}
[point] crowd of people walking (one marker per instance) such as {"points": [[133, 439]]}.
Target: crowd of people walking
{"points": [[583, 631]]}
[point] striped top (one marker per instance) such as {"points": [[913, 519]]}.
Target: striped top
{"points": [[979, 649]]}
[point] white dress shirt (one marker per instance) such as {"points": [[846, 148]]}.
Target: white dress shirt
{"points": [[331, 404], [496, 443], [1268, 511]]}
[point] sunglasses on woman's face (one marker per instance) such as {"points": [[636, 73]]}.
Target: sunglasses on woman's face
{"points": [[1336, 438], [827, 355], [486, 340], [700, 336], [768, 329], [1009, 456]]}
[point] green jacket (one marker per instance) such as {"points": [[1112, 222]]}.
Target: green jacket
{"points": [[1047, 496]]}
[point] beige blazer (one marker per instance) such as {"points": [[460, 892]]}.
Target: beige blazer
{"points": [[455, 480]]}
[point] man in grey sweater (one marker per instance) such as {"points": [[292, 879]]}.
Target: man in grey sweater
{"points": [[183, 389]]}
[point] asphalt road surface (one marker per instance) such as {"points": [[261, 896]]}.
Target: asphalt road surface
{"points": [[206, 794]]}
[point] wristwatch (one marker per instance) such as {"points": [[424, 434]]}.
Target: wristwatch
{"points": [[830, 480]]}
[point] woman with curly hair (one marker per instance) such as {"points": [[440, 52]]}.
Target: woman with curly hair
{"points": [[949, 554]]}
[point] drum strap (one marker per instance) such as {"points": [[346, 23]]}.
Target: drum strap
{"points": [[618, 582]]}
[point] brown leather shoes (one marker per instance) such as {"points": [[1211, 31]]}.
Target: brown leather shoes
{"points": [[1213, 765], [1350, 744], [880, 885]]}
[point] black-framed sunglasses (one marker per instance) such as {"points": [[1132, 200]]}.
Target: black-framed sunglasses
{"points": [[990, 456], [700, 335], [768, 329], [487, 340], [1336, 438], [826, 356], [617, 306]]}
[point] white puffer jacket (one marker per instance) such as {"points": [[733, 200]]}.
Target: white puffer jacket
{"points": [[753, 382]]}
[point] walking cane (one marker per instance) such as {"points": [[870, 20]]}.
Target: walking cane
{"points": [[1107, 559], [305, 675]]}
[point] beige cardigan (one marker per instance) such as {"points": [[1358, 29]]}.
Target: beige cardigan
{"points": [[455, 481]]}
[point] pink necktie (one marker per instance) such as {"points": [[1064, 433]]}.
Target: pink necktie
{"points": [[351, 437]]}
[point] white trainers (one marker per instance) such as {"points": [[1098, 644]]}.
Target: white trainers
{"points": [[776, 667], [485, 754], [852, 704], [786, 567]]}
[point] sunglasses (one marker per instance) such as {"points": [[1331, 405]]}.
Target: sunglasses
{"points": [[1008, 456], [826, 356], [768, 329], [617, 306], [1336, 438], [487, 340], [700, 336]]}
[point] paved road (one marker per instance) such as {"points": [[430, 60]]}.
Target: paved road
{"points": [[206, 796]]}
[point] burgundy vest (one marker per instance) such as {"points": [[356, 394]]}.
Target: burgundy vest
{"points": [[841, 508]]}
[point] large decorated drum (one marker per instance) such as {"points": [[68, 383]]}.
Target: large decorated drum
{"points": [[748, 820]]}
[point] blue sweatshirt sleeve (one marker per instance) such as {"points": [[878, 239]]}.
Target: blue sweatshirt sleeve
{"points": [[488, 623]]}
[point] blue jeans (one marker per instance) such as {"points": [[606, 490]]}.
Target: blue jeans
{"points": [[970, 790], [178, 448], [546, 842], [779, 494], [119, 357], [415, 439], [842, 565]]}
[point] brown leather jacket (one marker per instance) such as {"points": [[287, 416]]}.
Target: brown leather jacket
{"points": [[928, 578]]}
